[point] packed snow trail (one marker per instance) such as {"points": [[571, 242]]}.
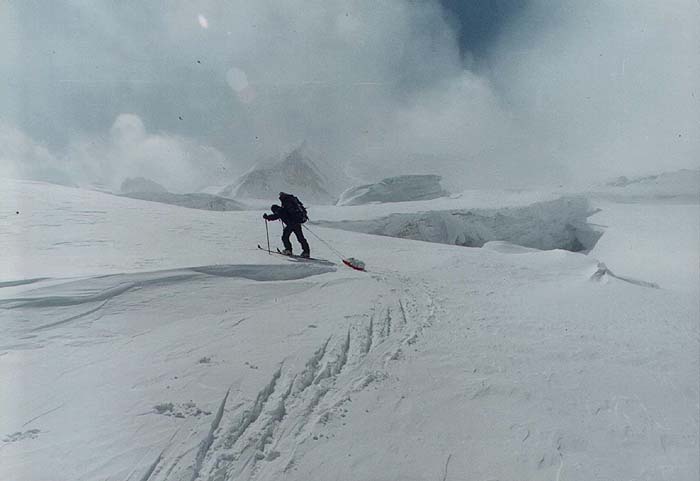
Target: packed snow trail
{"points": [[265, 436]]}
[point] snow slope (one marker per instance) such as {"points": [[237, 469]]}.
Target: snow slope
{"points": [[662, 245], [147, 342], [652, 227]]}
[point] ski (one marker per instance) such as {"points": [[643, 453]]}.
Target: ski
{"points": [[296, 257], [351, 262]]}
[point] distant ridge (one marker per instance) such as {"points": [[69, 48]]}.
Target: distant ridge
{"points": [[140, 184], [191, 201], [295, 172], [402, 188]]}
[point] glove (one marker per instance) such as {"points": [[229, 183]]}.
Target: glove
{"points": [[265, 216]]}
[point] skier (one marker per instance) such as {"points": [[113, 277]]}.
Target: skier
{"points": [[292, 213]]}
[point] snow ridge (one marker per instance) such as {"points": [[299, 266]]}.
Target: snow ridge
{"points": [[199, 201], [132, 185], [395, 189]]}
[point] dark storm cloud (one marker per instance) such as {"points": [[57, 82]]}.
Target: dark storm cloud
{"points": [[478, 23]]}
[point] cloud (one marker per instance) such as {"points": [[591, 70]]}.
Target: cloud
{"points": [[22, 157], [611, 87], [565, 91], [180, 164], [574, 93], [128, 150], [458, 129], [261, 76]]}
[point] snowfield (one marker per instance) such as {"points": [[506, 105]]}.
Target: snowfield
{"points": [[144, 341]]}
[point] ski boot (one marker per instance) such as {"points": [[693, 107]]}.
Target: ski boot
{"points": [[287, 252], [305, 255]]}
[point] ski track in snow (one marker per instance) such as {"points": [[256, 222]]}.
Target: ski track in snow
{"points": [[70, 319], [265, 436]]}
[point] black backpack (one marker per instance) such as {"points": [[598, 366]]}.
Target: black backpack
{"points": [[295, 208]]}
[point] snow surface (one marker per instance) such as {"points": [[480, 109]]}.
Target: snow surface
{"points": [[145, 342], [395, 189]]}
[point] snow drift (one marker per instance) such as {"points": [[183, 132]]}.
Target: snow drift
{"points": [[557, 224], [105, 288], [395, 189]]}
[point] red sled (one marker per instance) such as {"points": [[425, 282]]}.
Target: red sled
{"points": [[356, 264]]}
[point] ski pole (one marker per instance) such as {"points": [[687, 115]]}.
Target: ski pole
{"points": [[267, 233]]}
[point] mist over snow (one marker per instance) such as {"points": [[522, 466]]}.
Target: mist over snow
{"points": [[606, 87], [127, 150], [22, 157], [682, 186], [513, 94]]}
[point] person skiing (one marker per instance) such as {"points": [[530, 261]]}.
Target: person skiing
{"points": [[293, 214]]}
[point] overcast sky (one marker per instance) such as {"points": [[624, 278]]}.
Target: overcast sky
{"points": [[485, 92]]}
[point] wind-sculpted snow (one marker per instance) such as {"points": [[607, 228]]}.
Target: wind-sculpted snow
{"points": [[268, 272], [395, 189], [557, 224], [104, 288], [21, 282]]}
